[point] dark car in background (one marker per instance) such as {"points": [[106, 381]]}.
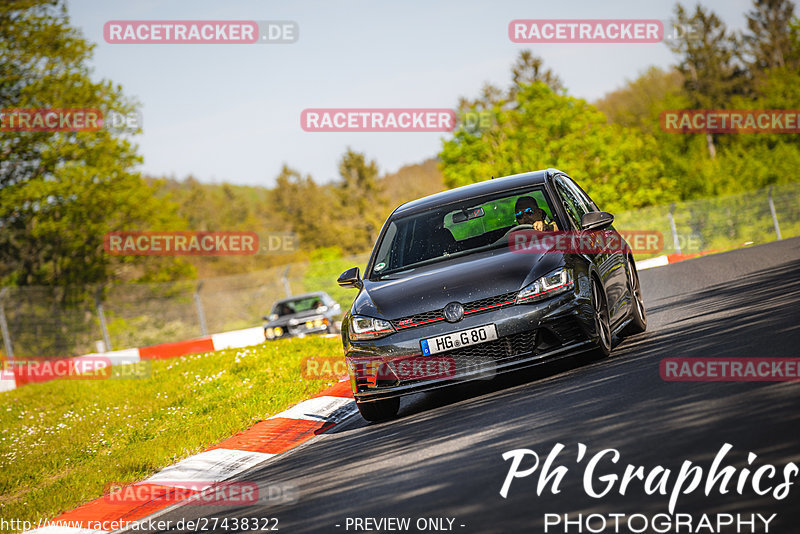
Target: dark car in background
{"points": [[301, 315], [445, 298]]}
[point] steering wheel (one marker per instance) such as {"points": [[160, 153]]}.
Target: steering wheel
{"points": [[520, 227], [504, 239]]}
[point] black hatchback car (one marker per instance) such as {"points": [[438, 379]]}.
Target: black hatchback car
{"points": [[449, 295], [301, 315]]}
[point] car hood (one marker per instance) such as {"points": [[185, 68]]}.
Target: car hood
{"points": [[464, 279]]}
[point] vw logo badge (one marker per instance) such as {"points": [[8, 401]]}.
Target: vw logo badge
{"points": [[453, 312]]}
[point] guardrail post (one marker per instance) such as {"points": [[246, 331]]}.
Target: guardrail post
{"points": [[675, 240], [201, 316], [102, 317], [4, 327], [774, 215]]}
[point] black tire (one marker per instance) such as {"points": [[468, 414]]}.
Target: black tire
{"points": [[379, 410], [638, 322], [601, 322]]}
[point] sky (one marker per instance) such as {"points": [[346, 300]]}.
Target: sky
{"points": [[231, 112]]}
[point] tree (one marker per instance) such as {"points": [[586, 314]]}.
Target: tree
{"points": [[710, 64], [774, 52], [362, 205], [60, 193], [768, 43], [227, 207], [348, 213], [309, 208], [413, 181], [638, 103], [535, 128], [530, 69]]}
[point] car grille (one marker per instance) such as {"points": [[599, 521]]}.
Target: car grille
{"points": [[476, 306], [500, 301], [503, 349], [418, 319], [485, 355], [567, 329]]}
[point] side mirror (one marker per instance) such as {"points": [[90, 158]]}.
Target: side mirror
{"points": [[350, 278], [265, 317], [596, 220]]}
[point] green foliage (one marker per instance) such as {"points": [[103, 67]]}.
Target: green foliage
{"points": [[413, 181], [639, 102], [721, 222], [65, 440], [326, 265], [529, 69], [768, 44], [361, 201], [349, 212], [60, 193], [709, 59], [308, 208], [539, 129], [718, 71], [228, 207]]}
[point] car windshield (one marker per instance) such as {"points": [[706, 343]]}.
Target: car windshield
{"points": [[288, 307], [480, 223]]}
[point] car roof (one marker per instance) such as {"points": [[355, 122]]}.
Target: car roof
{"points": [[466, 192], [303, 296]]}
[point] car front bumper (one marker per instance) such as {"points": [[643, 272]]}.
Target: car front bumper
{"points": [[527, 334], [312, 325]]}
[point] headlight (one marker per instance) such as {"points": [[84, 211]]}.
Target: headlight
{"points": [[369, 328], [269, 334], [559, 281]]}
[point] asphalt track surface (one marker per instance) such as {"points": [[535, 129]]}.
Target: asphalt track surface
{"points": [[442, 458]]}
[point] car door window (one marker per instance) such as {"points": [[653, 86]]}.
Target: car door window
{"points": [[587, 202], [572, 203]]}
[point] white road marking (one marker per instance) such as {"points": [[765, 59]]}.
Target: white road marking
{"points": [[207, 467], [328, 409]]}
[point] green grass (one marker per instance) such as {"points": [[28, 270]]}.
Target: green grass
{"points": [[61, 442]]}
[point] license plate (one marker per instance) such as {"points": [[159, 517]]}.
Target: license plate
{"points": [[465, 338]]}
